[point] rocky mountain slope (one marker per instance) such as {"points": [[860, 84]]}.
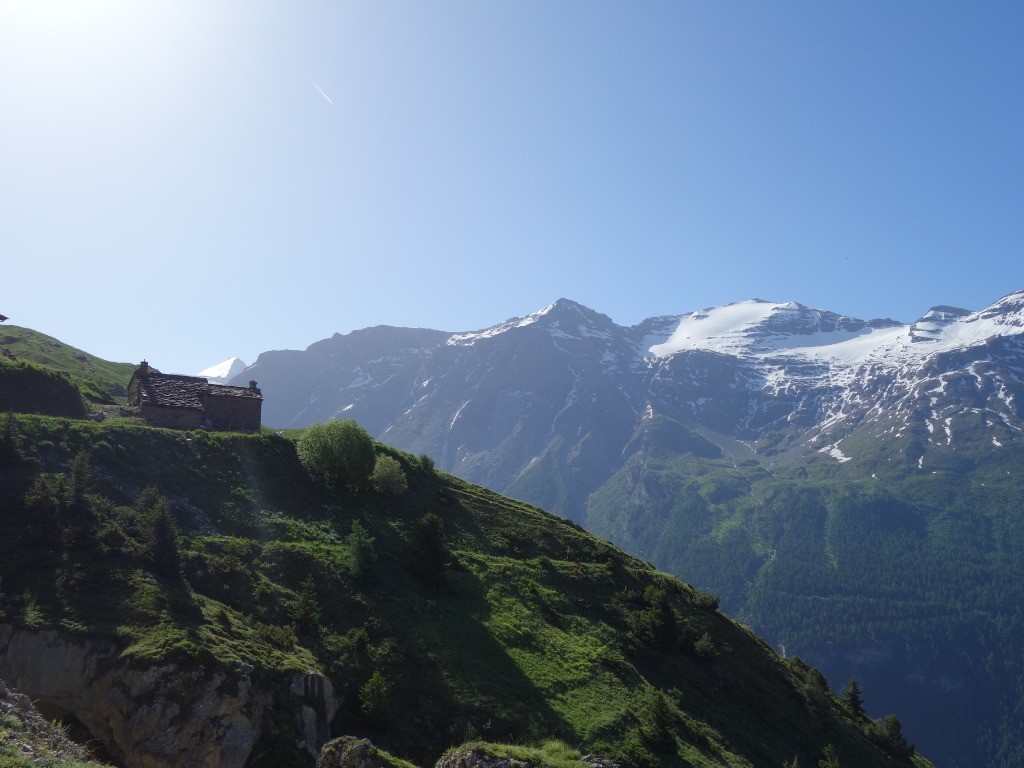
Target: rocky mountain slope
{"points": [[865, 471], [567, 386]]}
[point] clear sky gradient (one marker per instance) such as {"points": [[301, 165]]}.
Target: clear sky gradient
{"points": [[188, 180]]}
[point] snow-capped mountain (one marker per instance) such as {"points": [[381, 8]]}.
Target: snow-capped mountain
{"points": [[223, 372], [567, 387]]}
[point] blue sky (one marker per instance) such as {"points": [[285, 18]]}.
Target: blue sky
{"points": [[184, 181]]}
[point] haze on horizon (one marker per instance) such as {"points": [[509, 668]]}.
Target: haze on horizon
{"points": [[186, 181]]}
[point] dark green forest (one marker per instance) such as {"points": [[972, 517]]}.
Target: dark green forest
{"points": [[907, 579]]}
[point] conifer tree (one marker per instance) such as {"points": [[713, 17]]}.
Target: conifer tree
{"points": [[658, 721], [163, 548], [852, 699]]}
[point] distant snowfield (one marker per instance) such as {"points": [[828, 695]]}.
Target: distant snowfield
{"points": [[756, 329]]}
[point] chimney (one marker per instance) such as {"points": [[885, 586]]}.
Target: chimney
{"points": [[252, 386], [143, 369]]}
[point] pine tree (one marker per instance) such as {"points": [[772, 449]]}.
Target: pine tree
{"points": [[163, 548], [10, 440], [829, 758], [428, 553], [852, 699], [658, 722]]}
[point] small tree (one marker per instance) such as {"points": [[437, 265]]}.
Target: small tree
{"points": [[373, 697], [338, 452], [304, 610], [360, 549], [426, 464], [657, 623], [388, 477], [705, 648], [81, 478], [428, 553], [10, 440], [43, 502], [163, 545], [829, 758], [889, 733], [852, 699], [658, 722]]}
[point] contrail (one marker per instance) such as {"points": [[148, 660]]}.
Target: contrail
{"points": [[328, 98]]}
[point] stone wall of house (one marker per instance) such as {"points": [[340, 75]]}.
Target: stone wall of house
{"points": [[172, 418], [232, 413], [134, 395]]}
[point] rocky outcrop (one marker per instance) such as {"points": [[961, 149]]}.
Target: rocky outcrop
{"points": [[353, 752], [475, 757], [472, 756], [24, 733], [162, 714]]}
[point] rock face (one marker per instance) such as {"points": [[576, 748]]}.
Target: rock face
{"points": [[160, 715]]}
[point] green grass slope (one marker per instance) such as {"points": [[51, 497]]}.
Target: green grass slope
{"points": [[29, 388], [101, 381], [444, 615]]}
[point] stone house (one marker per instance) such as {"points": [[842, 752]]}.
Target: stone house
{"points": [[191, 402]]}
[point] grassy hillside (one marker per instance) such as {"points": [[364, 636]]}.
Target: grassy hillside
{"points": [[444, 615], [29, 388], [99, 380]]}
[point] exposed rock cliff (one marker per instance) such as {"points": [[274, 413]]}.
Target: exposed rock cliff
{"points": [[160, 715]]}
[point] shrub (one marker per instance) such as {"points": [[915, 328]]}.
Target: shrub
{"points": [[373, 697], [889, 733], [704, 647], [428, 554], [360, 550], [388, 477], [706, 600], [338, 452], [426, 464]]}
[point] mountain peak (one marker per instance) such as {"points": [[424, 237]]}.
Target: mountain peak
{"points": [[224, 371], [577, 320]]}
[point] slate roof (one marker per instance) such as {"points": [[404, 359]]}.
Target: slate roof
{"points": [[175, 391], [223, 390]]}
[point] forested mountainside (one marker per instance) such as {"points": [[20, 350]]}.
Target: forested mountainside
{"points": [[199, 598], [850, 488]]}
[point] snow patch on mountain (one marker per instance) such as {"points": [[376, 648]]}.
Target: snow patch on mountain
{"points": [[564, 319], [469, 339], [759, 330], [223, 372]]}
